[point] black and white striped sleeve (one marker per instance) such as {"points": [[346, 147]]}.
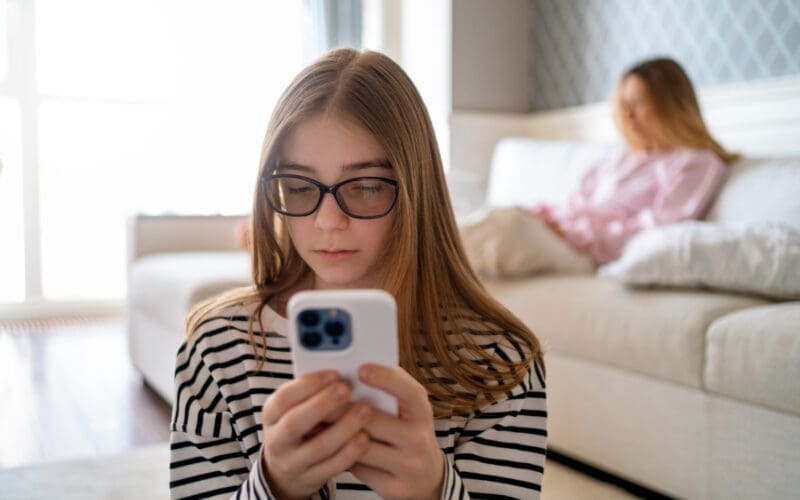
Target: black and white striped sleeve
{"points": [[501, 450], [215, 449], [207, 458]]}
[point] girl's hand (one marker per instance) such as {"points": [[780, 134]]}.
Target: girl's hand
{"points": [[403, 459], [297, 456]]}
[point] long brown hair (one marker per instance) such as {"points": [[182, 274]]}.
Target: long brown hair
{"points": [[445, 317], [671, 93]]}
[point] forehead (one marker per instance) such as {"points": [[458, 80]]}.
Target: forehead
{"points": [[634, 86], [328, 140]]}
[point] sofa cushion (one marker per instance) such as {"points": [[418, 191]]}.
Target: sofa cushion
{"points": [[754, 355], [760, 190], [654, 332], [763, 258], [165, 286]]}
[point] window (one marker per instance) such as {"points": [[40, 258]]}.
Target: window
{"points": [[12, 248], [3, 41], [131, 106]]}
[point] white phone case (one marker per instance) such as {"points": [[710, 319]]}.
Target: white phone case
{"points": [[373, 330]]}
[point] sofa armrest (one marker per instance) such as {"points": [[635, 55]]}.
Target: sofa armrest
{"points": [[150, 234]]}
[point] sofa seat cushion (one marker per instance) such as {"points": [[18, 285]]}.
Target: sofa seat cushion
{"points": [[654, 332], [165, 286], [754, 355]]}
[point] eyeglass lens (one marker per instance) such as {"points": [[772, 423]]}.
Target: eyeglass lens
{"points": [[361, 197]]}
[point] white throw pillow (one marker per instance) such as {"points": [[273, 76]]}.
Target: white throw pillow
{"points": [[762, 258]]}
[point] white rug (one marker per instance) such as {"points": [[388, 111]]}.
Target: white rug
{"points": [[143, 474]]}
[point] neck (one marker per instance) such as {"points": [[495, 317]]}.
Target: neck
{"points": [[652, 147]]}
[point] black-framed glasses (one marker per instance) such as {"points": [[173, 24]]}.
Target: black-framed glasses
{"points": [[359, 197]]}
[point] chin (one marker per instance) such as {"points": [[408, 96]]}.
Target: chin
{"points": [[338, 279]]}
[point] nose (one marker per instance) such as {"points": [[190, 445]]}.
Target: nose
{"points": [[329, 215]]}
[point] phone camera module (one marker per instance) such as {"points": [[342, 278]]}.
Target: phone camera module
{"points": [[328, 329]]}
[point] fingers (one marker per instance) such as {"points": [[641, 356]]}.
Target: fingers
{"points": [[299, 461], [334, 440], [301, 480], [302, 418], [372, 476], [412, 398], [380, 456], [343, 460], [295, 392], [396, 473], [389, 429]]}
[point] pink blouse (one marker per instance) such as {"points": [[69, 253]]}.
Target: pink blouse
{"points": [[632, 191]]}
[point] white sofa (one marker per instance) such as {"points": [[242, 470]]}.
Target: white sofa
{"points": [[693, 393], [175, 262]]}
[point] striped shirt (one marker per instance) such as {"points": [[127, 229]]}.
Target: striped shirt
{"points": [[216, 438]]}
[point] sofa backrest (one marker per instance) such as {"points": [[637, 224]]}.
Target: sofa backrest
{"points": [[527, 171]]}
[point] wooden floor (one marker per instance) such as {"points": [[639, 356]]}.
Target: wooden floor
{"points": [[68, 390]]}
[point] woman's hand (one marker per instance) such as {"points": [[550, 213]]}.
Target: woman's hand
{"points": [[544, 214], [403, 459], [300, 453]]}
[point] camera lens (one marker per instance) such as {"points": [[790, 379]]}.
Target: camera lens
{"points": [[309, 318], [334, 328], [311, 339]]}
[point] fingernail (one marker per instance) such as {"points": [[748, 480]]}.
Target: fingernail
{"points": [[329, 378], [341, 391], [365, 373], [364, 412]]}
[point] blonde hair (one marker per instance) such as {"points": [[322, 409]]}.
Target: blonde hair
{"points": [[672, 95], [440, 300]]}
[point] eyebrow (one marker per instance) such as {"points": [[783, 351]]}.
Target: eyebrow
{"points": [[350, 167]]}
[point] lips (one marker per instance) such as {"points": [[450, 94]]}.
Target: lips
{"points": [[334, 254]]}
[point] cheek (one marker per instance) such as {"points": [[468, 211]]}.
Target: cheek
{"points": [[647, 115], [296, 230], [381, 233], [389, 228]]}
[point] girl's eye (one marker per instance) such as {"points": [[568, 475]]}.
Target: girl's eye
{"points": [[299, 190], [364, 188]]}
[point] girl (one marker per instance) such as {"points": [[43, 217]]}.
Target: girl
{"points": [[670, 171], [351, 193]]}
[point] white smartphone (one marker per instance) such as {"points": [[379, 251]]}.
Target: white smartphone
{"points": [[341, 330]]}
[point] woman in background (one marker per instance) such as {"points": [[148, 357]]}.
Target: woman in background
{"points": [[670, 171]]}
